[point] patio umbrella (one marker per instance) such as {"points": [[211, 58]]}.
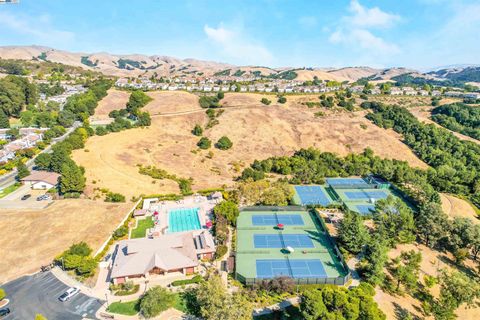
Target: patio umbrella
{"points": [[280, 226], [209, 224], [289, 249]]}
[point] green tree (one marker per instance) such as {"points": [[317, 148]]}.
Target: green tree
{"points": [[72, 179], [155, 301], [394, 220], [144, 119], [265, 101], [197, 130], [227, 209], [224, 143], [204, 143], [220, 95], [137, 100], [405, 269], [4, 122], [22, 170], [43, 160], [282, 99], [374, 260], [431, 223], [352, 233]]}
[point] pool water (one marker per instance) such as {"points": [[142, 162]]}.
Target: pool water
{"points": [[183, 219]]}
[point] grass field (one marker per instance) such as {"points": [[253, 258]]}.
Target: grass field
{"points": [[31, 239], [456, 207], [141, 229], [129, 308], [257, 131]]}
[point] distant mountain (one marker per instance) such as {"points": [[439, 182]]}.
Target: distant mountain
{"points": [[134, 65]]}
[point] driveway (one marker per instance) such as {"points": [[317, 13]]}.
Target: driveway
{"points": [[39, 293]]}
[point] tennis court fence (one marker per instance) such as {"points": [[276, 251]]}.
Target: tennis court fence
{"points": [[339, 281]]}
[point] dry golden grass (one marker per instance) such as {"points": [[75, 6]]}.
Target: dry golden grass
{"points": [[257, 132], [432, 262], [115, 100], [31, 239], [171, 101], [456, 207]]}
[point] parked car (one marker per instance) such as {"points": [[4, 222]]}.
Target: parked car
{"points": [[4, 312], [67, 295], [25, 197], [43, 197]]}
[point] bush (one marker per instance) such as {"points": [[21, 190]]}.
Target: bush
{"points": [[197, 130], [209, 102], [114, 197], [265, 101], [220, 95], [101, 131], [204, 143], [2, 294], [221, 251], [282, 99], [155, 301], [120, 232], [224, 143]]}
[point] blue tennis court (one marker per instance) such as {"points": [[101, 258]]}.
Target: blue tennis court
{"points": [[296, 268], [365, 195], [346, 181], [274, 219], [365, 208], [282, 241], [312, 195]]}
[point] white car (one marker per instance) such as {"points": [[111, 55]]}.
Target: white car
{"points": [[69, 294]]}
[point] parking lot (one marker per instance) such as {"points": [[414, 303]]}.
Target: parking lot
{"points": [[14, 199], [30, 295]]}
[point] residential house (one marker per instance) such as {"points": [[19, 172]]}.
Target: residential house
{"points": [[41, 180]]}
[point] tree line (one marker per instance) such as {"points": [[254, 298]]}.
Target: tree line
{"points": [[455, 163], [459, 117]]}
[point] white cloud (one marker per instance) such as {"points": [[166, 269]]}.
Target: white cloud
{"points": [[234, 43], [40, 28], [373, 17], [354, 31]]}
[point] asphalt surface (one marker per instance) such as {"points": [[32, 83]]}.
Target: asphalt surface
{"points": [[30, 295]]}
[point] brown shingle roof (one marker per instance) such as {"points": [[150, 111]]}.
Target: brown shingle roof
{"points": [[44, 176]]}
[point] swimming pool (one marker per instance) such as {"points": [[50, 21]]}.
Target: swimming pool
{"points": [[183, 219]]}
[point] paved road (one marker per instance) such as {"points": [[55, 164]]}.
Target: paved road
{"points": [[39, 293], [9, 178]]}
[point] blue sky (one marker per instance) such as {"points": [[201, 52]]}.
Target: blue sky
{"points": [[411, 33]]}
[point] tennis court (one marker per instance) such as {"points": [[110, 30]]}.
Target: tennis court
{"points": [[280, 240], [260, 248], [364, 208], [295, 268], [314, 195], [274, 219], [365, 195]]}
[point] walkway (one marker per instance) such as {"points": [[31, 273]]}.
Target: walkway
{"points": [[278, 306]]}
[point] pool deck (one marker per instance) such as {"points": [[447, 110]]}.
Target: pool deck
{"points": [[205, 212]]}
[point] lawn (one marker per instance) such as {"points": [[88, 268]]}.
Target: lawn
{"points": [[141, 229], [9, 189], [130, 308]]}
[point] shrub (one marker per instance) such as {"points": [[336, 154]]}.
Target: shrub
{"points": [[224, 143], [155, 301], [221, 251], [2, 294], [209, 102], [204, 143], [120, 232], [114, 197], [220, 95], [101, 131], [282, 99], [265, 101], [197, 130]]}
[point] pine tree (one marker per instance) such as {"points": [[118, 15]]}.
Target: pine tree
{"points": [[4, 123], [352, 232], [72, 179], [22, 170]]}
